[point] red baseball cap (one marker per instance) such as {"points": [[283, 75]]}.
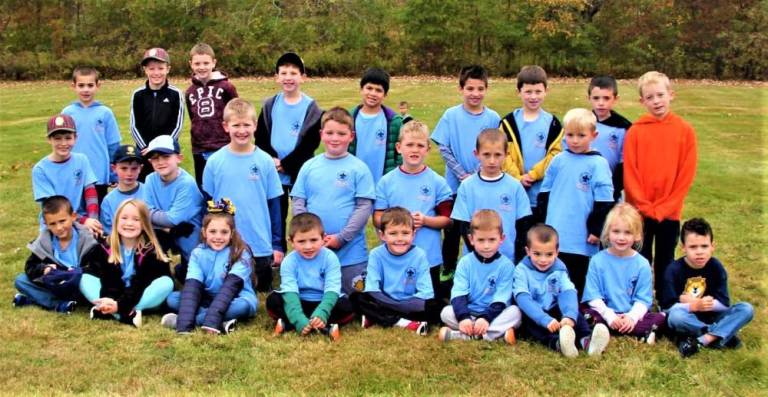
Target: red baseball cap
{"points": [[61, 122], [157, 54]]}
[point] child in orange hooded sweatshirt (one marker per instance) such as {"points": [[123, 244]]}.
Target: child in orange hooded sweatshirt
{"points": [[659, 167]]}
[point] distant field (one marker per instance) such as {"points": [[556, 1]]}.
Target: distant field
{"points": [[47, 354]]}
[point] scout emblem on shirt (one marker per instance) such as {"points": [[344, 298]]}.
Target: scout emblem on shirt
{"points": [[613, 141], [695, 287], [99, 127], [539, 140], [505, 202], [322, 274], [553, 286], [491, 286], [425, 193], [295, 128], [254, 173], [584, 179], [78, 174], [632, 286], [342, 178], [380, 136]]}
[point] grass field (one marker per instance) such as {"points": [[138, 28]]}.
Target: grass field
{"points": [[47, 354]]}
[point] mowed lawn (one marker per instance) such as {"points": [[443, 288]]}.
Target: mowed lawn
{"points": [[44, 353]]}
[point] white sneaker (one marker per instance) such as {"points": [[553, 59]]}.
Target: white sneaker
{"points": [[137, 320], [599, 340], [169, 320], [568, 341], [229, 326]]}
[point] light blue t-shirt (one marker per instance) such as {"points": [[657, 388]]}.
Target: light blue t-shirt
{"points": [[98, 136], [483, 283], [420, 192], [210, 268], [248, 180], [533, 144], [575, 183], [400, 277], [68, 178], [506, 196], [311, 278], [619, 281], [330, 187], [287, 121], [112, 201], [68, 257], [543, 287], [610, 144], [371, 133], [458, 129], [127, 265], [182, 202]]}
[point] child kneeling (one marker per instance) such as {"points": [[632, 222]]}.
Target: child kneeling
{"points": [[218, 288], [398, 289], [482, 287], [309, 298], [548, 299]]}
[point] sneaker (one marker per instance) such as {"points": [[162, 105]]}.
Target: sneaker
{"points": [[364, 322], [95, 314], [333, 332], [599, 340], [279, 327], [509, 336], [20, 300], [419, 327], [229, 326], [169, 320], [446, 334], [650, 338], [688, 346], [733, 343], [136, 320], [66, 307], [567, 342]]}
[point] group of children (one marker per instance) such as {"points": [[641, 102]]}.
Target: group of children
{"points": [[523, 189]]}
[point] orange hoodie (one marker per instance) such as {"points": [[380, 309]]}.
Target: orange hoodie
{"points": [[659, 165]]}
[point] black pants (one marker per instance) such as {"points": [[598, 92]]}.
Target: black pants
{"points": [[342, 312], [382, 314], [262, 271], [199, 163], [101, 192], [577, 269], [542, 335], [665, 234], [284, 200]]}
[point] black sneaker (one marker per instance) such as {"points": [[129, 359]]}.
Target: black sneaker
{"points": [[688, 346], [66, 307], [733, 343], [20, 300]]}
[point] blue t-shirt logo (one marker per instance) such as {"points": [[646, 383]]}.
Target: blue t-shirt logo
{"points": [[553, 286], [78, 174], [425, 193], [491, 285], [380, 136], [254, 173], [505, 202], [613, 141], [540, 139], [584, 180], [295, 128], [632, 286], [342, 178], [99, 127]]}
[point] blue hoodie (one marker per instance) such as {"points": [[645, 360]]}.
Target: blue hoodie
{"points": [[537, 292]]}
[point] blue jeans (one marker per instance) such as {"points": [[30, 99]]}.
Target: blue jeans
{"points": [[153, 296], [725, 326], [239, 308], [38, 294]]}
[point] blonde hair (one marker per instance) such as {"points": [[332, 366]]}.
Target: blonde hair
{"points": [[201, 49], [629, 214], [147, 237], [581, 118], [414, 129], [239, 107], [653, 77], [485, 220], [491, 136]]}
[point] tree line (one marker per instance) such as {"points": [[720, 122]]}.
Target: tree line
{"points": [[718, 39]]}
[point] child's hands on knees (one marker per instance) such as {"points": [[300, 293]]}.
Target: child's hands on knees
{"points": [[554, 326], [306, 330], [316, 323], [466, 327], [481, 326], [704, 304], [627, 324]]}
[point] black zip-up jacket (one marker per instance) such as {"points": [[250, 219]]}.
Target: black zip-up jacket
{"points": [[155, 113]]}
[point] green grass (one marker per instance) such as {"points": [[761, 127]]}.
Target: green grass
{"points": [[43, 353]]}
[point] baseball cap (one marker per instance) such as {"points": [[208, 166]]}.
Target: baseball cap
{"points": [[157, 54], [61, 122], [290, 58], [125, 153], [163, 144]]}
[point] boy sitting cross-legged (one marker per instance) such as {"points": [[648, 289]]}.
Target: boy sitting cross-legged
{"points": [[482, 287], [310, 297], [398, 290], [548, 299]]}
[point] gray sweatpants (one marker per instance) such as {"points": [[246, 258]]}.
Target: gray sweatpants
{"points": [[509, 318]]}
